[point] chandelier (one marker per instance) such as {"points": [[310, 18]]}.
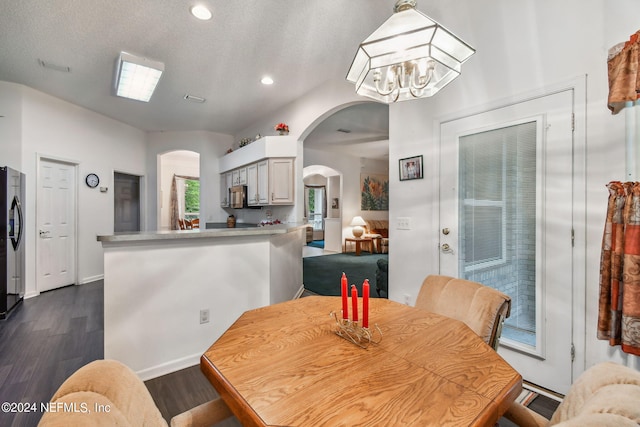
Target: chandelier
{"points": [[410, 56]]}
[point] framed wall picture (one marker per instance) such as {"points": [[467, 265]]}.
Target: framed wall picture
{"points": [[411, 168], [374, 192]]}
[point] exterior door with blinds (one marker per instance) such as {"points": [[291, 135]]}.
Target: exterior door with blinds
{"points": [[506, 222]]}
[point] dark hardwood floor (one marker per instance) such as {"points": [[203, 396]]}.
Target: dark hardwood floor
{"points": [[49, 337], [44, 340]]}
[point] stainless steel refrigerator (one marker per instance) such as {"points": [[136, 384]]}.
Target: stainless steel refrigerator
{"points": [[12, 241]]}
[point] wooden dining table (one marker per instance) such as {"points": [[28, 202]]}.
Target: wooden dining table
{"points": [[284, 365]]}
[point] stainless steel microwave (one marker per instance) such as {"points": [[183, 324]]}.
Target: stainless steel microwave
{"points": [[238, 196]]}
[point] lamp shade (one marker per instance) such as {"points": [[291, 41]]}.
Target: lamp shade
{"points": [[357, 222], [410, 56]]}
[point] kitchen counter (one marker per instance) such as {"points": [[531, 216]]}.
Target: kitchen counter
{"points": [[169, 294], [216, 225], [213, 232]]}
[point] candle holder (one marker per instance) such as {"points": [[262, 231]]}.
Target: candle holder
{"points": [[358, 335]]}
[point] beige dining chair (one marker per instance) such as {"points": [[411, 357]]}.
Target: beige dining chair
{"points": [[109, 393], [480, 307], [605, 395]]}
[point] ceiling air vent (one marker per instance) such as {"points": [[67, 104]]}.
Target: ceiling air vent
{"points": [[55, 67], [194, 98]]}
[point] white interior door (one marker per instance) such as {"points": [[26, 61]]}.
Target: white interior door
{"points": [[506, 221], [56, 225]]}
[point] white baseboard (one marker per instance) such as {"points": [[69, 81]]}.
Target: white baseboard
{"points": [[543, 391], [91, 279], [169, 367], [31, 294], [299, 293]]}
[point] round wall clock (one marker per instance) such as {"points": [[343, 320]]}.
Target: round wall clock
{"points": [[92, 180]]}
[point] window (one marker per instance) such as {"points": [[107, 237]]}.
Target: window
{"points": [[191, 198], [496, 170]]}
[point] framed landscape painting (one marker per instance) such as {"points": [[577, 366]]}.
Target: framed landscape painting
{"points": [[374, 191]]}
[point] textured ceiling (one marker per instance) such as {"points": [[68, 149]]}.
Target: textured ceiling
{"points": [[300, 43]]}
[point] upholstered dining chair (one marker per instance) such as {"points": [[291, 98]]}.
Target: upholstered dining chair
{"points": [[481, 308], [605, 395], [109, 393]]}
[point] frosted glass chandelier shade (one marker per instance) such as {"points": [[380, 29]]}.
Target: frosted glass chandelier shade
{"points": [[410, 56]]}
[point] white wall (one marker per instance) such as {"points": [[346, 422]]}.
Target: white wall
{"points": [[351, 168], [185, 163], [521, 47], [210, 146], [303, 116], [10, 125], [59, 130]]}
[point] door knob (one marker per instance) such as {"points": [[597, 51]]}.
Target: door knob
{"points": [[44, 233], [445, 248]]}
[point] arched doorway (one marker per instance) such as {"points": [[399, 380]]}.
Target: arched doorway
{"points": [[179, 182]]}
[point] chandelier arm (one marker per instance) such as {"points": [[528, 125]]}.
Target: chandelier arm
{"points": [[377, 79], [415, 84], [415, 92], [402, 76]]}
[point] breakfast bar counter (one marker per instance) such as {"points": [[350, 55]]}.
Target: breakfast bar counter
{"points": [[168, 294], [208, 233]]}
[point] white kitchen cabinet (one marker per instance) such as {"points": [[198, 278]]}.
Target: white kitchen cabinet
{"points": [[263, 182], [269, 182], [226, 182], [252, 184], [281, 184], [240, 176], [258, 183]]}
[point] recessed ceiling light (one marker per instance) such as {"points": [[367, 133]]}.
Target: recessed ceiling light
{"points": [[266, 80], [201, 12]]}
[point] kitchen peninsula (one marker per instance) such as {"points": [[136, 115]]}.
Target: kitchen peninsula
{"points": [[169, 294]]}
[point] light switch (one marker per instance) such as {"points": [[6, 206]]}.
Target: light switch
{"points": [[404, 223]]}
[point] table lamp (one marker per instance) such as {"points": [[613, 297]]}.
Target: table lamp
{"points": [[357, 224]]}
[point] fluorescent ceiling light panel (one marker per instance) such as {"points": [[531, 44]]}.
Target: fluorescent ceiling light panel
{"points": [[137, 77]]}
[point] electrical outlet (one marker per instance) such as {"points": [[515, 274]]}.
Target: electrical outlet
{"points": [[407, 299], [204, 316], [403, 223]]}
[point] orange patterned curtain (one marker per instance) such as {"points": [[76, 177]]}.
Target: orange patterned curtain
{"points": [[619, 305], [624, 73]]}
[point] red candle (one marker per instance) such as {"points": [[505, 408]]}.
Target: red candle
{"points": [[354, 302], [365, 303], [345, 305]]}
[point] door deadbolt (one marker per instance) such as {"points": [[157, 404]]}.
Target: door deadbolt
{"points": [[445, 231]]}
